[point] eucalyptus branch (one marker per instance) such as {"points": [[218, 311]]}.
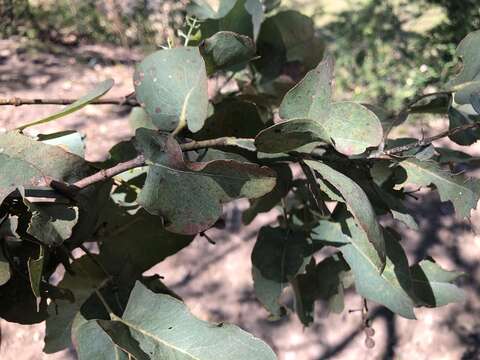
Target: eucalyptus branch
{"points": [[424, 96], [429, 140], [203, 144], [122, 100], [403, 113], [105, 174]]}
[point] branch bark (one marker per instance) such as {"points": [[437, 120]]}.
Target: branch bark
{"points": [[70, 190], [106, 174], [406, 110], [123, 100], [429, 140]]}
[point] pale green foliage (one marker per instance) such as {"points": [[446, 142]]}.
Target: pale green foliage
{"points": [[189, 156], [175, 98]]}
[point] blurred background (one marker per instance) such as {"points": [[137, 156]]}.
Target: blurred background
{"points": [[387, 51]]}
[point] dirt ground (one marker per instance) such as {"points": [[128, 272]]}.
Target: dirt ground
{"points": [[215, 280]]}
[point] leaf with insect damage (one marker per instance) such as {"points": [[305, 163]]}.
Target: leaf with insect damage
{"points": [[171, 85], [461, 191], [174, 333], [310, 115], [189, 195]]}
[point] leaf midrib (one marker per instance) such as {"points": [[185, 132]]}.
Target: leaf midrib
{"points": [[438, 176], [382, 274], [153, 336]]}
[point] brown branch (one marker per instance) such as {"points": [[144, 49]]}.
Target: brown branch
{"points": [[425, 141], [123, 100], [429, 140], [70, 190], [106, 174], [404, 112], [202, 144]]}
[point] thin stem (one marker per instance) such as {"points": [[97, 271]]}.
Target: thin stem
{"points": [[105, 174], [209, 239], [429, 140], [403, 113], [123, 100], [95, 260], [203, 144], [105, 304], [190, 30]]}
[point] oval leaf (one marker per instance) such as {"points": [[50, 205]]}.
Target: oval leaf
{"points": [[350, 127], [210, 9], [278, 256], [290, 135], [392, 287], [28, 163], [174, 333], [467, 50], [171, 85], [189, 195], [91, 340], [226, 49], [434, 286]]}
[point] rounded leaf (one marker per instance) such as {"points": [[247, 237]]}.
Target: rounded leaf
{"points": [[172, 87]]}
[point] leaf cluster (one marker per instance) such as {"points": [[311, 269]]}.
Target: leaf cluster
{"points": [[191, 154]]}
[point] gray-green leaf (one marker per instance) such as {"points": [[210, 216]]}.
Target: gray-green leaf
{"points": [[62, 313], [434, 286], [35, 271], [226, 49], [463, 192], [93, 343], [28, 163], [189, 195], [210, 9], [457, 119], [171, 85], [52, 224], [174, 333], [138, 240], [256, 9], [312, 116], [358, 204], [278, 256], [467, 83], [391, 288], [69, 140], [325, 281]]}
